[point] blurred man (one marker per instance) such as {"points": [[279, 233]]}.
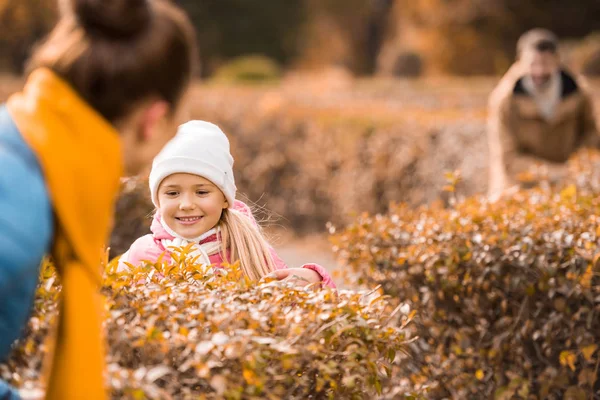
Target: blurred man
{"points": [[539, 114]]}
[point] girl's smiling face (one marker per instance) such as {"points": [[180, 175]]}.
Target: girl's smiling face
{"points": [[189, 204]]}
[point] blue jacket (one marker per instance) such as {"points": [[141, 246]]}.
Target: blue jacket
{"points": [[26, 229]]}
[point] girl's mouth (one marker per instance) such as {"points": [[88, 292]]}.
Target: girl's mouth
{"points": [[188, 220]]}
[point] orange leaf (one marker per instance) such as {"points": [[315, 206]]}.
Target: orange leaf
{"points": [[479, 375], [588, 351], [567, 358]]}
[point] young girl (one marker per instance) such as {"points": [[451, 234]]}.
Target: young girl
{"points": [[100, 101], [193, 189]]}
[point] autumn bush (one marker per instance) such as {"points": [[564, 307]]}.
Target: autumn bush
{"points": [[314, 151], [248, 69], [186, 331], [325, 148], [133, 215], [507, 293]]}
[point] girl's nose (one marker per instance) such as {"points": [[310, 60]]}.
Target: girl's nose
{"points": [[186, 202]]}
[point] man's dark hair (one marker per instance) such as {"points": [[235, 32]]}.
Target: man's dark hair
{"points": [[539, 40], [545, 45]]}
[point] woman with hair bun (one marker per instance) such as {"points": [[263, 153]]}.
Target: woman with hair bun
{"points": [[105, 91]]}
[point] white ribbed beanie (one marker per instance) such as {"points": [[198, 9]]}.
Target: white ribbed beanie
{"points": [[198, 148]]}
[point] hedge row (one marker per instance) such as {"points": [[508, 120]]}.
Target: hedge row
{"points": [[183, 332], [507, 293]]}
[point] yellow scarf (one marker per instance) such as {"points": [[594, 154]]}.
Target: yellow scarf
{"points": [[80, 155]]}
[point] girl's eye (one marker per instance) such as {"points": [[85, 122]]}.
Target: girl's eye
{"points": [[171, 193], [202, 192]]}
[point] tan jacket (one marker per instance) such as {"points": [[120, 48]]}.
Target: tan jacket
{"points": [[519, 137]]}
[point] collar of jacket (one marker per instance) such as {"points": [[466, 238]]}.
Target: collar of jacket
{"points": [[569, 85]]}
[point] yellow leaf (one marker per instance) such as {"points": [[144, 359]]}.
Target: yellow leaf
{"points": [[479, 375], [588, 351], [586, 278], [569, 192], [457, 350], [287, 363], [138, 394], [249, 376], [406, 320], [412, 315], [567, 358]]}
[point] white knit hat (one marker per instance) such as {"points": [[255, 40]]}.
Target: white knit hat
{"points": [[198, 148]]}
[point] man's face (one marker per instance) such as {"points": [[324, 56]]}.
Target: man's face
{"points": [[540, 66]]}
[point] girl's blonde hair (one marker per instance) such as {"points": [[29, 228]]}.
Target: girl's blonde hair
{"points": [[247, 243]]}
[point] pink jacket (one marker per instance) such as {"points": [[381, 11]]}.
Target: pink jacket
{"points": [[150, 248]]}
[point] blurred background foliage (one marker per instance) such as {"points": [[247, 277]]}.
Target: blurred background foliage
{"points": [[405, 37], [299, 142]]}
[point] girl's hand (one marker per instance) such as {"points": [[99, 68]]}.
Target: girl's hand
{"points": [[300, 276]]}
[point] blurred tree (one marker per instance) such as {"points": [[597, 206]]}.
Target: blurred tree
{"points": [[573, 18], [449, 36], [479, 36], [230, 28], [377, 29], [22, 23], [343, 32]]}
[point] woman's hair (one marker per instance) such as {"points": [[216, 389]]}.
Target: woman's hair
{"points": [[246, 242], [117, 53]]}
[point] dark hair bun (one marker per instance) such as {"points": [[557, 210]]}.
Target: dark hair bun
{"points": [[113, 18]]}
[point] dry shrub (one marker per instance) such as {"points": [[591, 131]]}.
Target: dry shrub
{"points": [[322, 148], [327, 147], [184, 331], [408, 64], [248, 69], [318, 156], [133, 215], [508, 294]]}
